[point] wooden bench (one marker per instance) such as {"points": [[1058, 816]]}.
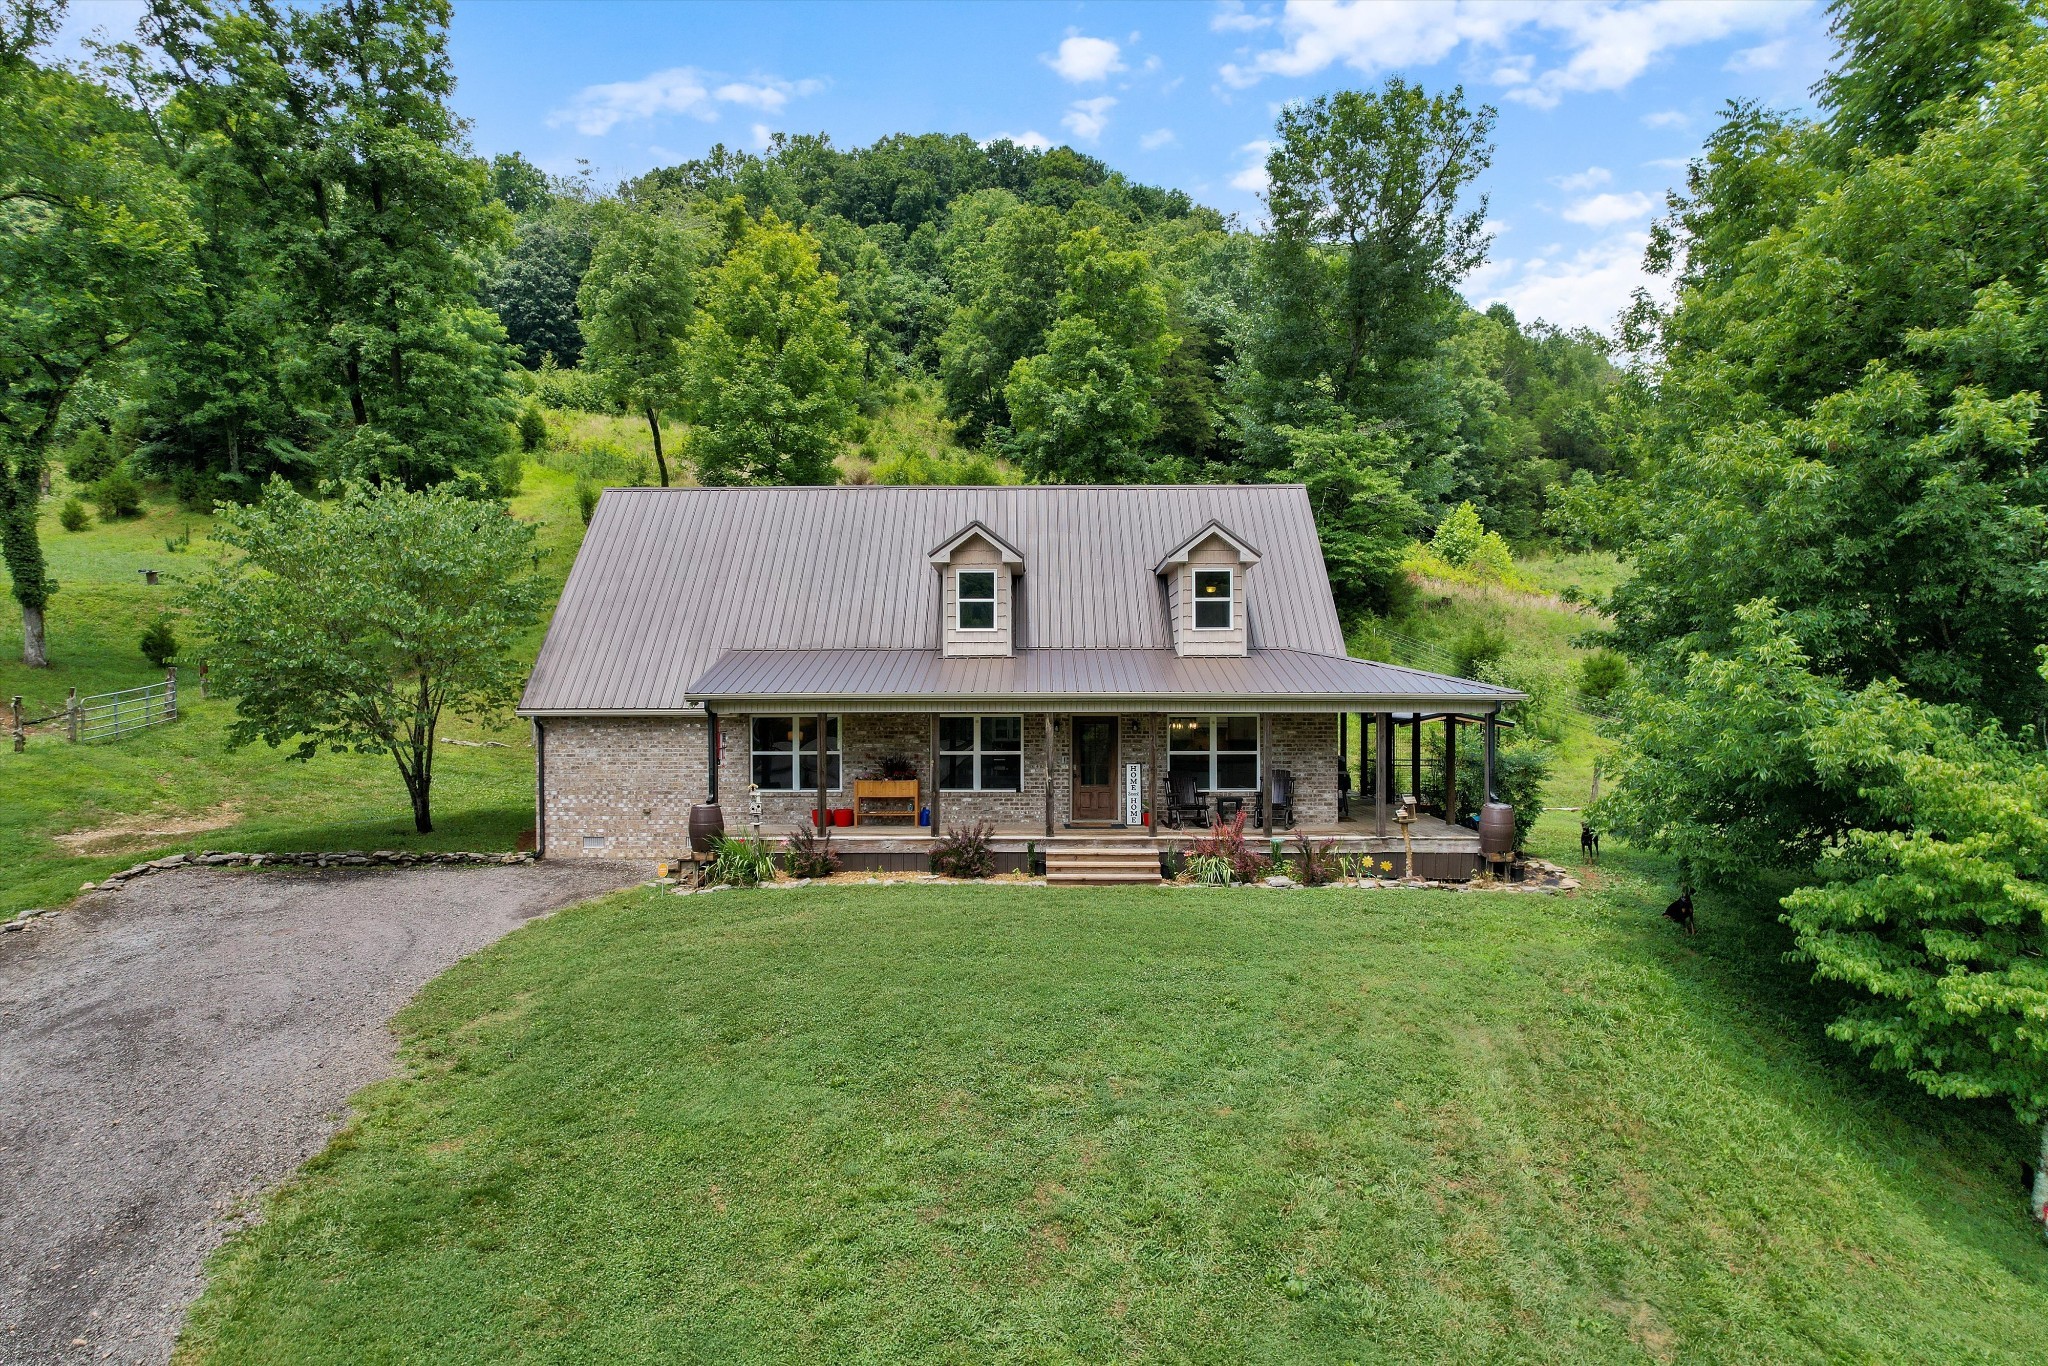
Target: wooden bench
{"points": [[898, 794]]}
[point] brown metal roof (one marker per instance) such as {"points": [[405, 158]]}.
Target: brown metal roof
{"points": [[669, 580], [897, 680]]}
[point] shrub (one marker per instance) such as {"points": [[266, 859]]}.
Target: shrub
{"points": [[1600, 673], [533, 427], [1459, 536], [586, 499], [180, 543], [1210, 870], [118, 495], [1226, 841], [1519, 773], [737, 861], [73, 516], [966, 851], [508, 474], [92, 456], [810, 852], [920, 467], [1480, 643], [197, 490], [1492, 559], [160, 643], [1316, 863], [577, 390]]}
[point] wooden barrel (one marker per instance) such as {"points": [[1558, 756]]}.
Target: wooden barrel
{"points": [[1496, 830], [707, 823]]}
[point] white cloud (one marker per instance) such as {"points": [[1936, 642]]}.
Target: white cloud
{"points": [[1669, 163], [1232, 17], [1252, 179], [1030, 138], [1086, 119], [1157, 138], [1666, 118], [1765, 57], [1606, 44], [1083, 59], [597, 109], [1589, 179], [1605, 210], [762, 134], [1588, 288]]}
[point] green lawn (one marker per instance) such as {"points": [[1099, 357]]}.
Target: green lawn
{"points": [[77, 812], [932, 1123]]}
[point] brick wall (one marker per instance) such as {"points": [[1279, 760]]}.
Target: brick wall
{"points": [[629, 784]]}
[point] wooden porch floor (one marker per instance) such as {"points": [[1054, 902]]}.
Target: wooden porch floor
{"points": [[1429, 835]]}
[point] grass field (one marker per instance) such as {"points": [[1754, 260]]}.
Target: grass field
{"points": [[934, 1123], [77, 812]]}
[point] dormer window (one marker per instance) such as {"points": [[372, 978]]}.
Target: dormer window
{"points": [[977, 599], [1214, 599]]}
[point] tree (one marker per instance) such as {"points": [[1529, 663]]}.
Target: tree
{"points": [[1085, 408], [1004, 263], [354, 625], [374, 220], [635, 301], [535, 288], [1365, 517], [1368, 242], [768, 371], [95, 246]]}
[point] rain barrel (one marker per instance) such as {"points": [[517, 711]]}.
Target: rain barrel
{"points": [[707, 823], [1496, 830]]}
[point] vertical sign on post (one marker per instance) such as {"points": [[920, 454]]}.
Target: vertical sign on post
{"points": [[1134, 794]]}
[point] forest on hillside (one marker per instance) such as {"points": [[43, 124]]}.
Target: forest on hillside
{"points": [[254, 242]]}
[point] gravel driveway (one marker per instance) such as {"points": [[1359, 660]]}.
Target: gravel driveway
{"points": [[171, 1051]]}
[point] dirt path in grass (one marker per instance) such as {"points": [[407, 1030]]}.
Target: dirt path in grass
{"points": [[170, 1051]]}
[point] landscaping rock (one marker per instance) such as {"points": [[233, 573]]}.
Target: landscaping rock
{"points": [[1279, 881]]}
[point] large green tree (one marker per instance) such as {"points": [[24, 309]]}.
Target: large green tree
{"points": [[1004, 265], [357, 624], [635, 302], [374, 223], [770, 368], [95, 247], [1085, 409], [534, 288]]}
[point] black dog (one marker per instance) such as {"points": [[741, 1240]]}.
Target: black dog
{"points": [[1679, 913], [1589, 842]]}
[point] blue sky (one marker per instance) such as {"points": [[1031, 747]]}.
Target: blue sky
{"points": [[1600, 103]]}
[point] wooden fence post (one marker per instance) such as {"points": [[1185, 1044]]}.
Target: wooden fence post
{"points": [[20, 735], [202, 692], [71, 716], [171, 693]]}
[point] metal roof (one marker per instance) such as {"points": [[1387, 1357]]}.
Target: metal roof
{"points": [[913, 680], [670, 580]]}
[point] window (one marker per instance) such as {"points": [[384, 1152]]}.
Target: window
{"points": [[786, 753], [981, 753], [1213, 599], [977, 599], [1221, 751]]}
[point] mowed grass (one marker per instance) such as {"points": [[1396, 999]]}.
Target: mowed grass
{"points": [[928, 1123], [76, 812]]}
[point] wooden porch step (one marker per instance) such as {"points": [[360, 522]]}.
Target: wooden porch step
{"points": [[1100, 867]]}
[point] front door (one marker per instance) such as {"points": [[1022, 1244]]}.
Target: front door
{"points": [[1095, 769]]}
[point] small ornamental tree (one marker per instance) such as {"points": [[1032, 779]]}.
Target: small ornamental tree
{"points": [[352, 625]]}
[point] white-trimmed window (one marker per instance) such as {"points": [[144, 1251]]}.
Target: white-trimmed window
{"points": [[975, 594], [1214, 599], [785, 751], [981, 753], [1222, 752]]}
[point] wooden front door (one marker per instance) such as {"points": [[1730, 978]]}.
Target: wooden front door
{"points": [[1095, 769]]}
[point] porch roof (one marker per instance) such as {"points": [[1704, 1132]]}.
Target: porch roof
{"points": [[1075, 680]]}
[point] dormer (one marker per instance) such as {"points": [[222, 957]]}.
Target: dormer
{"points": [[1205, 592], [977, 592]]}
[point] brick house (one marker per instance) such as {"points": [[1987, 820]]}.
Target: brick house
{"points": [[1085, 667]]}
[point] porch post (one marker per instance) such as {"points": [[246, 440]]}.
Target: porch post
{"points": [[1415, 756], [934, 771], [1490, 731], [1265, 772], [823, 814], [1382, 761], [1450, 770], [1048, 775]]}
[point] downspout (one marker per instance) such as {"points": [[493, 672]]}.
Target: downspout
{"points": [[711, 739], [540, 788]]}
